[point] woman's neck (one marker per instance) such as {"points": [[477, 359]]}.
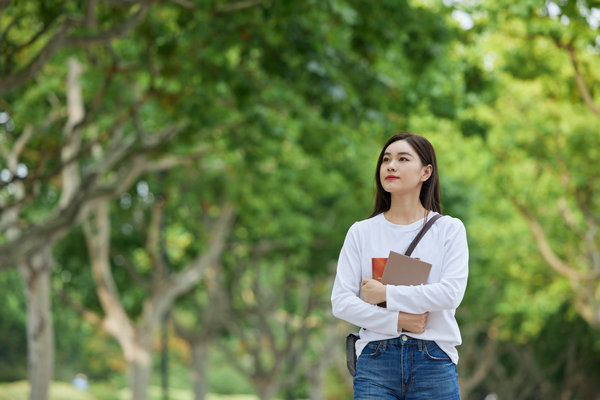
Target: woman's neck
{"points": [[405, 211]]}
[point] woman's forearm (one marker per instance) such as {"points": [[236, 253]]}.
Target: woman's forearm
{"points": [[413, 323]]}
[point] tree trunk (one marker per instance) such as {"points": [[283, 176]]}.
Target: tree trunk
{"points": [[329, 351], [40, 333], [199, 371], [139, 379], [136, 340], [316, 380], [266, 388], [139, 365], [164, 357]]}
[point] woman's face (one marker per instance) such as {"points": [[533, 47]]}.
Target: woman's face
{"points": [[401, 169]]}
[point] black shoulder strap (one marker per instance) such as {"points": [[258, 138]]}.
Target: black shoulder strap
{"points": [[421, 234]]}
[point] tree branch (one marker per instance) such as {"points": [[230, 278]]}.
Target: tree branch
{"points": [[568, 217], [137, 278], [590, 241], [242, 5], [114, 32], [11, 24], [184, 280], [153, 241], [483, 366], [548, 254], [61, 39], [97, 235], [4, 4], [234, 360], [181, 3], [87, 315], [90, 18], [189, 335], [118, 151], [87, 197], [35, 37], [75, 110], [13, 157], [585, 93], [55, 43]]}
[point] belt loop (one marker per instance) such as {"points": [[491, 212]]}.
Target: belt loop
{"points": [[420, 345]]}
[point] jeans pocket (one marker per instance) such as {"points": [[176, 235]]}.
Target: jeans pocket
{"points": [[372, 350], [434, 353]]}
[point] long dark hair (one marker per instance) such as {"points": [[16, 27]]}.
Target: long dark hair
{"points": [[430, 191]]}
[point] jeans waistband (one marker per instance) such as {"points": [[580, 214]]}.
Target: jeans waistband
{"points": [[405, 340]]}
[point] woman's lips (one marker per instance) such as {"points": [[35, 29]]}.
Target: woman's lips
{"points": [[391, 178]]}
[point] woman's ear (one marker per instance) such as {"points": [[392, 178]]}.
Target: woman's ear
{"points": [[427, 171]]}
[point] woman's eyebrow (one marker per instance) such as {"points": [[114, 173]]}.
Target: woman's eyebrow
{"points": [[400, 153]]}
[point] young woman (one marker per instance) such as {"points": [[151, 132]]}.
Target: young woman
{"points": [[407, 350]]}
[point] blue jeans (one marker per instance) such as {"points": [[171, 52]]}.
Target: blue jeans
{"points": [[405, 368]]}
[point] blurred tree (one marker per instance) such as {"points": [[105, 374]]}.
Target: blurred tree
{"points": [[30, 228], [280, 108], [307, 85], [136, 338], [49, 179], [544, 162], [200, 316], [533, 192]]}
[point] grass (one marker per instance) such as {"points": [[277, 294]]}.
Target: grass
{"points": [[58, 390], [66, 391]]}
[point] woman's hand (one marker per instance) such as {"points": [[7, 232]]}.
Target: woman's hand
{"points": [[414, 323], [373, 291]]}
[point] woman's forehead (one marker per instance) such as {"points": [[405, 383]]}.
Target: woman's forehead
{"points": [[400, 146]]}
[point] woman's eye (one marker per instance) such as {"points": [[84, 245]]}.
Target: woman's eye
{"points": [[403, 159], [385, 159]]}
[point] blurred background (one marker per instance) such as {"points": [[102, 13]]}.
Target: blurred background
{"points": [[177, 178]]}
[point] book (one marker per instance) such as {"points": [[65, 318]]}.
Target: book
{"points": [[403, 270]]}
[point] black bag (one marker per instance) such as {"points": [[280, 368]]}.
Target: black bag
{"points": [[353, 337], [351, 352]]}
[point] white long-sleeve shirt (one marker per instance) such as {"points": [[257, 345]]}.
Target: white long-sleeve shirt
{"points": [[444, 246]]}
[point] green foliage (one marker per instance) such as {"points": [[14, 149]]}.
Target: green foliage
{"points": [[224, 379], [12, 325], [285, 107]]}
